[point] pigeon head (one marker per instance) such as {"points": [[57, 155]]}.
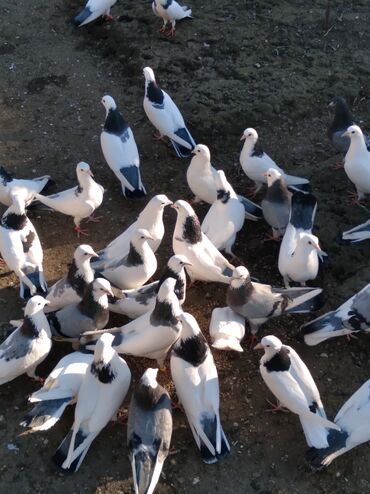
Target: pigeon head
{"points": [[183, 208], [177, 263], [250, 135], [270, 344], [103, 349], [272, 175], [101, 287], [240, 277], [160, 201], [190, 326], [308, 243], [354, 132], [149, 378], [18, 205], [83, 253], [83, 170], [140, 236], [35, 305], [221, 181], [149, 74], [166, 290], [109, 103], [202, 154]]}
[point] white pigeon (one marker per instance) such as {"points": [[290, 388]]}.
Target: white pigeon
{"points": [[357, 233], [79, 202], [149, 431], [194, 374], [354, 422], [120, 151], [70, 289], [225, 218], [170, 11], [27, 346], [21, 249], [102, 391], [151, 218], [134, 269], [207, 263], [165, 116], [227, 329], [357, 162], [59, 390], [255, 162], [352, 317], [288, 378], [93, 10], [27, 187]]}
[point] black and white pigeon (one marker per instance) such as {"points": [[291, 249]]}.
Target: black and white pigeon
{"points": [[149, 431], [138, 301], [207, 262], [357, 233], [289, 379], [26, 187], [90, 314], [354, 422], [357, 162], [352, 317], [170, 11], [28, 345], [258, 303], [151, 335], [21, 249], [59, 390], [151, 218], [102, 391], [195, 377], [70, 289], [165, 116], [276, 203], [120, 151], [93, 10]]}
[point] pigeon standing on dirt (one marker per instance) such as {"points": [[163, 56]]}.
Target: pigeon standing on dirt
{"points": [[194, 374], [26, 187], [357, 162], [26, 347], [276, 203], [120, 151], [93, 10], [149, 431], [170, 11], [289, 379], [102, 391], [165, 116], [352, 317]]}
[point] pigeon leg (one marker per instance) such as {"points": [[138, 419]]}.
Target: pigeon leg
{"points": [[253, 190], [157, 136], [353, 199], [251, 340], [177, 406], [79, 231], [338, 166], [350, 337], [171, 32], [164, 27], [276, 407], [94, 219], [121, 417], [269, 237]]}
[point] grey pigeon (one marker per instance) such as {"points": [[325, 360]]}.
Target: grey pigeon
{"points": [[276, 203]]}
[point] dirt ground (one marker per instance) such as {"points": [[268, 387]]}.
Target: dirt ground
{"points": [[272, 65]]}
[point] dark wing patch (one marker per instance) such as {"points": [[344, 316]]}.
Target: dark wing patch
{"points": [[192, 232], [280, 362], [27, 244], [155, 95], [193, 350], [103, 372]]}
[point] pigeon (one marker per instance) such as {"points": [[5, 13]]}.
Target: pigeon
{"points": [[357, 162], [194, 374], [70, 289], [93, 10], [258, 303], [151, 218], [27, 187], [149, 431], [201, 178], [170, 11], [26, 347], [255, 162], [59, 390], [288, 378], [357, 233], [352, 317], [225, 218], [79, 202], [354, 422], [89, 314], [138, 301], [207, 263], [276, 203], [151, 335], [134, 269], [101, 393], [120, 150], [227, 329], [299, 249], [165, 116], [21, 249]]}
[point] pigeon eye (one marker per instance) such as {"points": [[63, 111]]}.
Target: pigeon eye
{"points": [[267, 346], [352, 132], [309, 242]]}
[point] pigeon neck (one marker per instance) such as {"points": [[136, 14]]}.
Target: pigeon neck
{"points": [[134, 256], [114, 122], [13, 221], [276, 360], [223, 196], [154, 93], [150, 217], [192, 349], [191, 229], [358, 144], [29, 327], [78, 279], [166, 311]]}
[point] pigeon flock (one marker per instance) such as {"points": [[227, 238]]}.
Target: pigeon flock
{"points": [[94, 376]]}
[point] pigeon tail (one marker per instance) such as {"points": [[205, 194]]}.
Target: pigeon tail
{"points": [[181, 151], [132, 176], [303, 210], [39, 206], [61, 453], [252, 210], [323, 328], [357, 234], [209, 427], [37, 278], [45, 414], [320, 458], [144, 466], [308, 302], [316, 435], [82, 16]]}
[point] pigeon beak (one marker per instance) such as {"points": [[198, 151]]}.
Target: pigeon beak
{"points": [[187, 263], [173, 206], [193, 151], [259, 346], [346, 133], [149, 237], [47, 302], [94, 255], [169, 203], [242, 137], [109, 292], [264, 174], [90, 173]]}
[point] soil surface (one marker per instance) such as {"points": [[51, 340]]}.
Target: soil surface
{"points": [[273, 65]]}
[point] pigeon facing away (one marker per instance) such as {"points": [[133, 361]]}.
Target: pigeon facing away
{"points": [[149, 431], [170, 11], [79, 202], [255, 162], [352, 317], [26, 187], [288, 378], [120, 150], [276, 203], [21, 249], [195, 377], [59, 390], [357, 233], [354, 422], [93, 10], [227, 329], [165, 116], [357, 161], [70, 289], [26, 347], [102, 391], [258, 303], [207, 263]]}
